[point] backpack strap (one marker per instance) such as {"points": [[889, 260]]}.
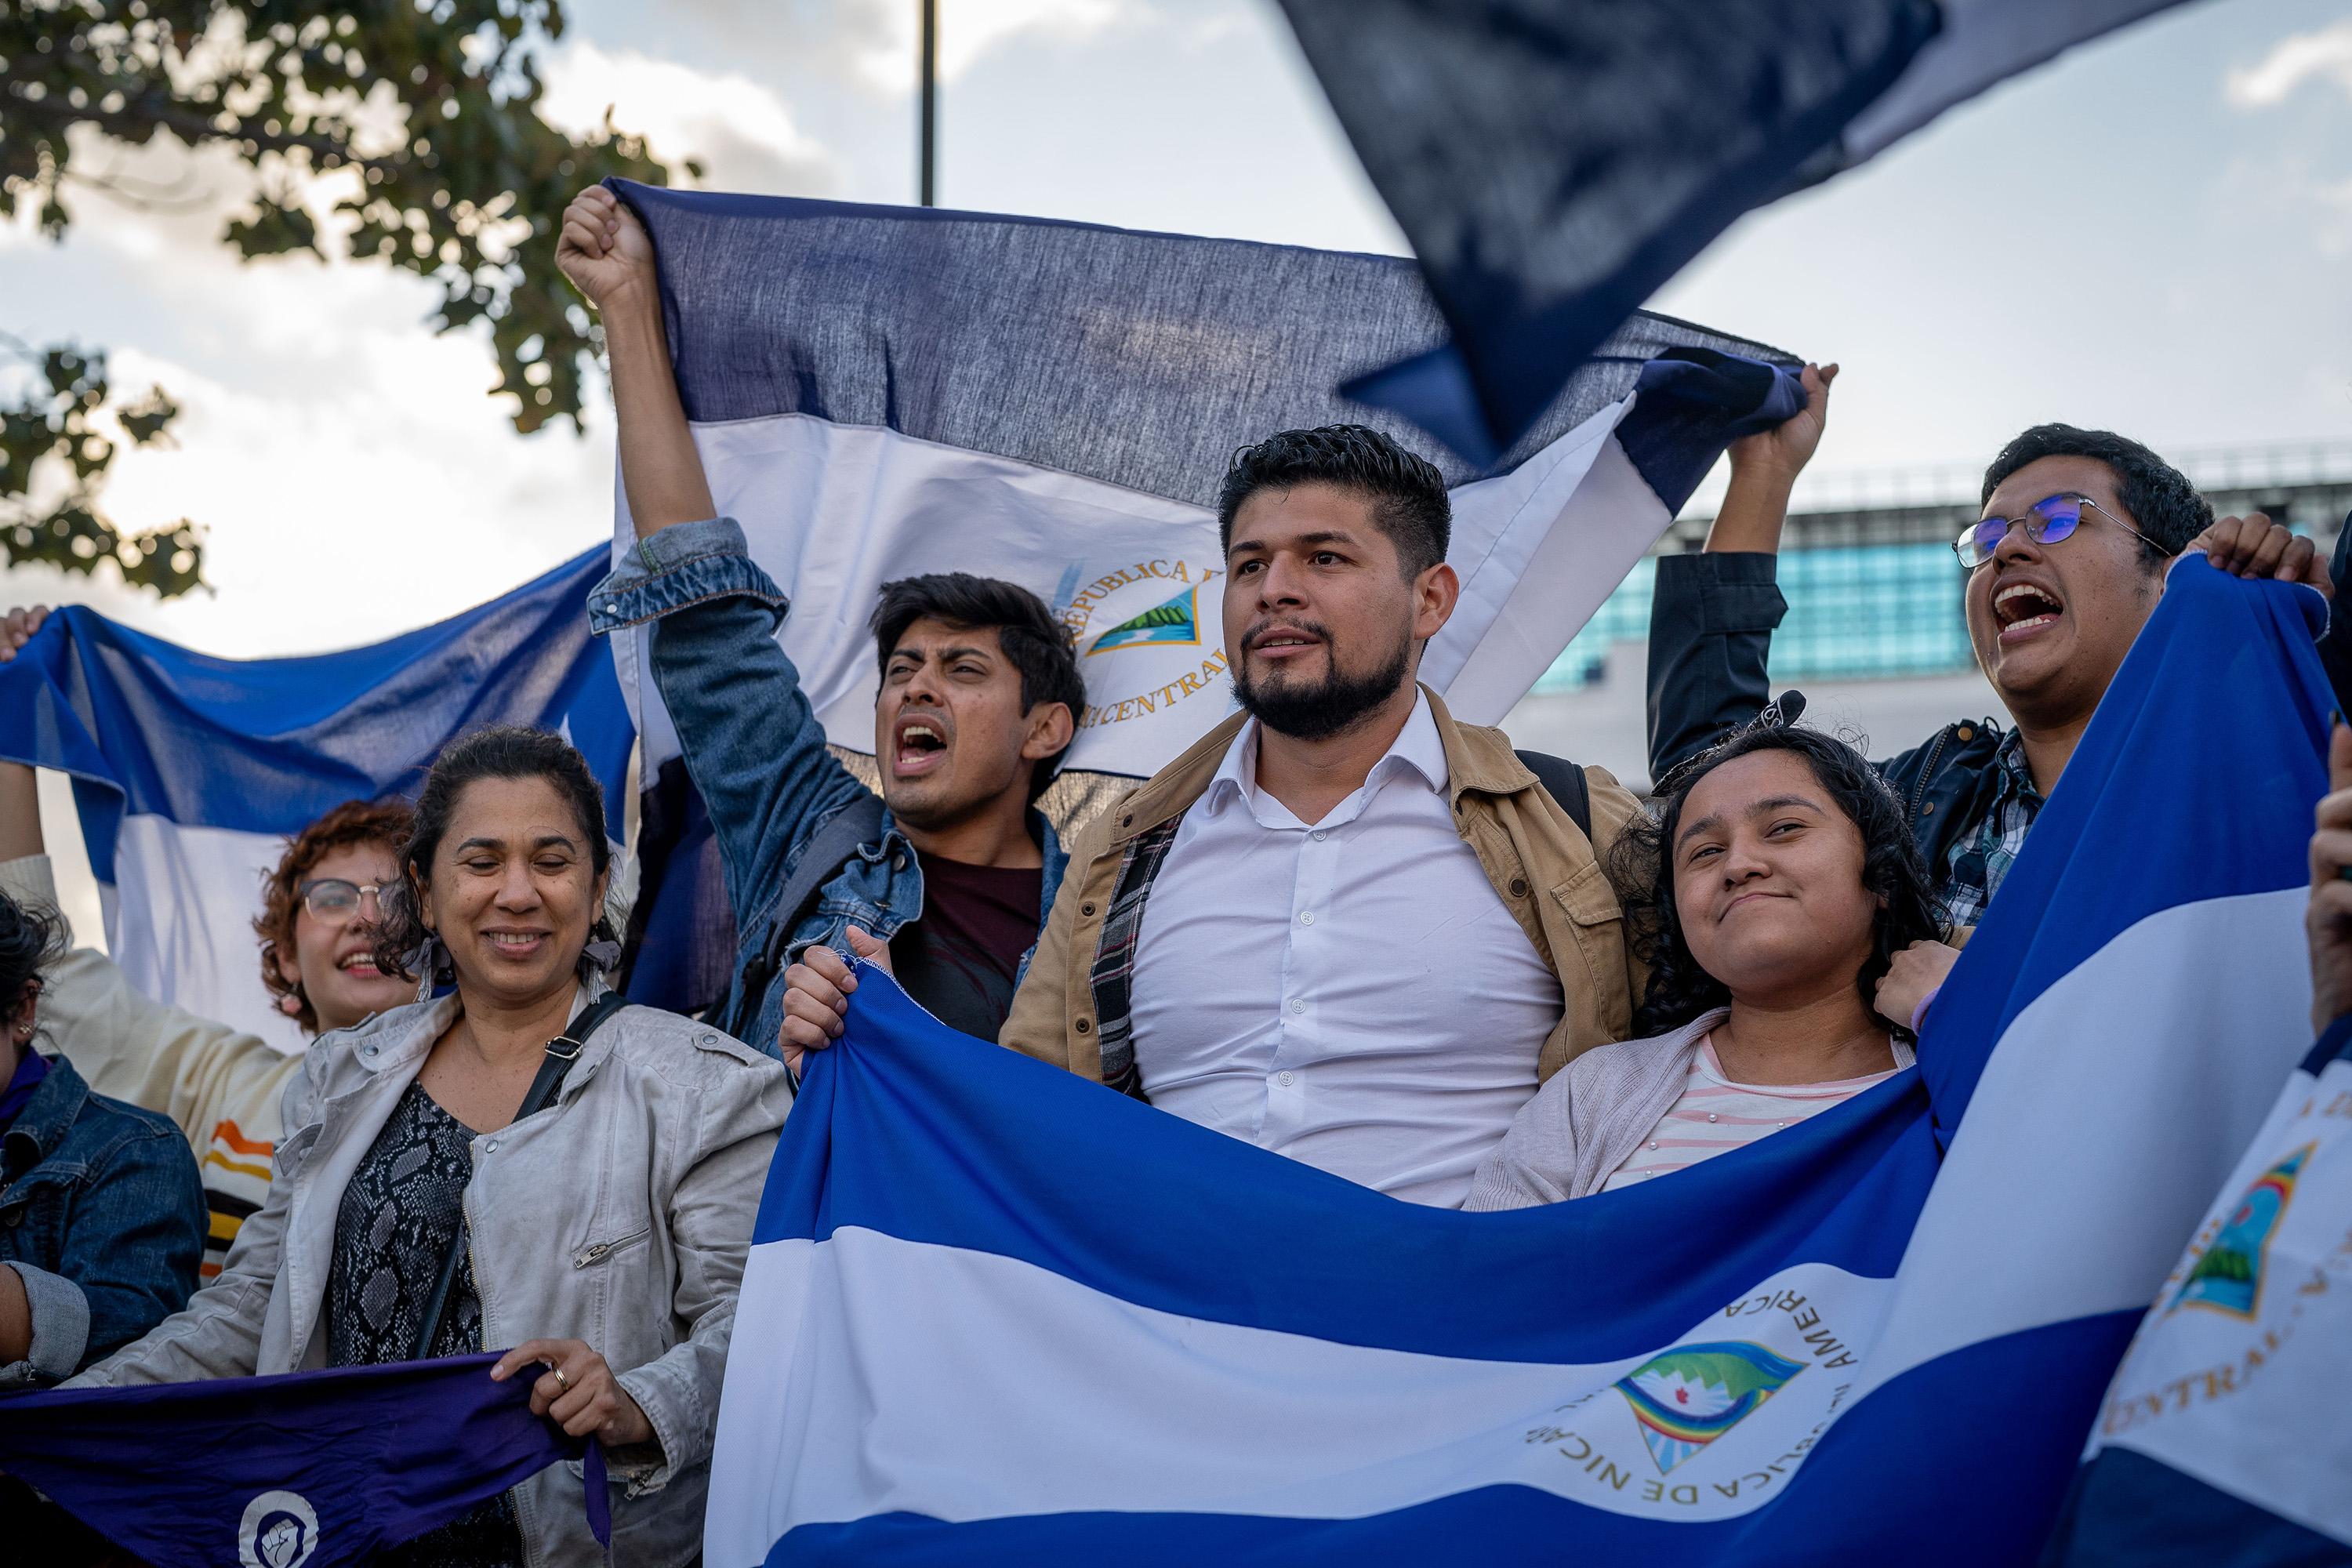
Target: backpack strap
{"points": [[1566, 782], [831, 848]]}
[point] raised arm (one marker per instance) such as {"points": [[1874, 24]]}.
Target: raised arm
{"points": [[750, 740], [20, 813], [609, 257], [1712, 615]]}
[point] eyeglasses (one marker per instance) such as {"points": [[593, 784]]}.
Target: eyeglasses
{"points": [[2050, 521], [334, 901]]}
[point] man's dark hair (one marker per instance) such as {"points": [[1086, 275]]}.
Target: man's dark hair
{"points": [[1642, 866], [1407, 493], [2162, 503], [1038, 645]]}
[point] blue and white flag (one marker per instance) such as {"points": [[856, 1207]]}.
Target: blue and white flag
{"points": [[311, 1469], [190, 772], [995, 1314], [879, 392], [1555, 162], [2225, 1437]]}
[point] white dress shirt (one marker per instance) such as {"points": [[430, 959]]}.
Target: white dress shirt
{"points": [[1352, 993]]}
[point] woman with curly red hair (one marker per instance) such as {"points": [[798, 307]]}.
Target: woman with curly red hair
{"points": [[221, 1083]]}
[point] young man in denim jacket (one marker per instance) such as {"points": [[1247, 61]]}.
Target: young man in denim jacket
{"points": [[979, 699]]}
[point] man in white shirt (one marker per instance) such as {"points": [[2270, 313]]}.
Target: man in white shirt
{"points": [[1342, 927]]}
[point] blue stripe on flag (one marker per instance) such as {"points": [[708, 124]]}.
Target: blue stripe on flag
{"points": [[265, 745], [1140, 359]]}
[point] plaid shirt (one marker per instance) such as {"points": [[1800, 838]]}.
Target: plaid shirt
{"points": [[1981, 859], [1112, 978]]}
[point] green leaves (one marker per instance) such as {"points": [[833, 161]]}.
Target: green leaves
{"points": [[405, 131], [56, 416]]}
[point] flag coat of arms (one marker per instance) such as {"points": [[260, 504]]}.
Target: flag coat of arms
{"points": [[882, 392], [994, 1314]]}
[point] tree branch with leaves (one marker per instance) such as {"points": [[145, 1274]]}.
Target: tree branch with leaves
{"points": [[406, 131]]}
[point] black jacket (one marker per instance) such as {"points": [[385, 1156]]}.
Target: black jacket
{"points": [[1711, 624]]}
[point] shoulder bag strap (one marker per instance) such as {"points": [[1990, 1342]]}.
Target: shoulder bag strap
{"points": [[562, 1051]]}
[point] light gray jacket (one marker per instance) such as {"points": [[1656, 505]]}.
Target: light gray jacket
{"points": [[1591, 1116], [620, 1215]]}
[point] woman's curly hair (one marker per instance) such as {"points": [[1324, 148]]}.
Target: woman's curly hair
{"points": [[1892, 868], [498, 751], [353, 822]]}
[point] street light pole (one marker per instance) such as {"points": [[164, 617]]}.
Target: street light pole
{"points": [[929, 152]]}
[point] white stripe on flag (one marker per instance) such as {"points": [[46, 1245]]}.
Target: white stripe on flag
{"points": [[833, 511], [2100, 1128], [179, 924], [968, 1415]]}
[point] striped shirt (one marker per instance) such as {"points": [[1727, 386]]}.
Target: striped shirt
{"points": [[1715, 1115]]}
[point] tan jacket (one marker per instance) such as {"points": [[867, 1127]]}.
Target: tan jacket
{"points": [[1541, 864]]}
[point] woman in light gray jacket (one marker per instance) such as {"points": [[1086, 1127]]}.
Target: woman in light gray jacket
{"points": [[412, 1213], [1769, 892]]}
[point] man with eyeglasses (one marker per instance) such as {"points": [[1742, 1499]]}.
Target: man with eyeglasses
{"points": [[2066, 564]]}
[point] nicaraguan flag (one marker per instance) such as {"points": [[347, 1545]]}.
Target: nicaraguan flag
{"points": [[311, 1469], [995, 1314], [879, 392], [189, 771], [1555, 162], [2223, 1438]]}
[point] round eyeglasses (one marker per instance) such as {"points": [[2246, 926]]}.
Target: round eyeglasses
{"points": [[334, 901], [2050, 521]]}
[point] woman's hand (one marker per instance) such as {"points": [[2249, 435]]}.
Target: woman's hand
{"points": [[1916, 975], [816, 994], [579, 1393]]}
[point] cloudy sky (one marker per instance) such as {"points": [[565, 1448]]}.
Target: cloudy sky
{"points": [[2152, 235]]}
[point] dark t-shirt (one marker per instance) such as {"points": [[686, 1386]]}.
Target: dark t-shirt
{"points": [[959, 959]]}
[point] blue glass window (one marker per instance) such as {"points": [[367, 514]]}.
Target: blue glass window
{"points": [[1855, 613]]}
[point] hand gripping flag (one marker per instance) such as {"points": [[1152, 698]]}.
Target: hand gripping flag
{"points": [[308, 1470], [2223, 1438], [993, 1314], [880, 391], [190, 772], [1555, 162]]}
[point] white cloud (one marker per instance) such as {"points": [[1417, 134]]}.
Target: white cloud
{"points": [[971, 29], [739, 131], [354, 475], [2324, 56]]}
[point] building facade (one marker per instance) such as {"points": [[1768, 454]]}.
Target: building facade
{"points": [[1874, 635]]}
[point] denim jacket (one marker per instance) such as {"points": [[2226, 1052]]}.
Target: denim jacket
{"points": [[102, 1217], [756, 751]]}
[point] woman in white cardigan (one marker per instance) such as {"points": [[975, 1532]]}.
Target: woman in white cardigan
{"points": [[1768, 891]]}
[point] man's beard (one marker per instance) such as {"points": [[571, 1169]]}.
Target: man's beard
{"points": [[1336, 704]]}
